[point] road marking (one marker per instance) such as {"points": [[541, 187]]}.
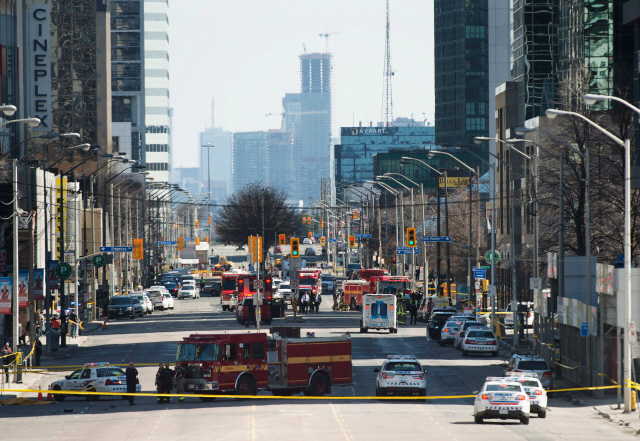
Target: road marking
{"points": [[335, 414]]}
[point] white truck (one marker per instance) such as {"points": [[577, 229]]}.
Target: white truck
{"points": [[379, 312]]}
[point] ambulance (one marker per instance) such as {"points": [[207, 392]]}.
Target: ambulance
{"points": [[379, 313]]}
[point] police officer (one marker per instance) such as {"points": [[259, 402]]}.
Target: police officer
{"points": [[413, 309], [132, 378]]}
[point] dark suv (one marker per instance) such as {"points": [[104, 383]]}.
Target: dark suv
{"points": [[437, 320], [122, 307]]}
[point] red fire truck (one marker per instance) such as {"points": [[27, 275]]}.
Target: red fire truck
{"points": [[353, 292], [246, 290], [309, 279], [243, 364], [390, 285], [228, 290], [367, 274]]}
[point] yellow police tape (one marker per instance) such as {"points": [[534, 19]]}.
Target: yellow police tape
{"points": [[272, 397]]}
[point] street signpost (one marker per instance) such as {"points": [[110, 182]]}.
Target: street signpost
{"points": [[584, 329], [479, 273], [435, 238], [63, 270], [535, 283], [362, 236], [116, 249], [98, 260], [403, 250], [258, 284], [167, 242]]}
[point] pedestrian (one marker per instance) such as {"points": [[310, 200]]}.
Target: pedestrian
{"points": [[165, 382], [413, 310], [305, 302], [316, 302], [202, 284], [73, 320], [132, 379], [7, 359], [55, 323], [181, 380], [38, 351]]}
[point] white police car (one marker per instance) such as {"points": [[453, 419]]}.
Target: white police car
{"points": [[94, 377], [401, 375], [502, 398], [479, 340], [535, 391]]}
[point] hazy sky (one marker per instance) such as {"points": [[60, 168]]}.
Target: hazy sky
{"points": [[244, 53]]}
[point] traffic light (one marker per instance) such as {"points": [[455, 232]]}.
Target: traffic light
{"points": [[310, 234], [304, 220], [282, 239], [321, 223], [411, 237], [295, 247], [323, 241], [309, 220], [209, 220], [485, 285], [352, 241], [197, 223]]}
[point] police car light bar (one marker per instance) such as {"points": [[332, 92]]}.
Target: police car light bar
{"points": [[502, 379], [96, 364], [522, 374], [401, 357]]}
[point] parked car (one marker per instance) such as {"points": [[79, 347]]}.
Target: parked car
{"points": [[216, 288], [156, 298], [240, 247], [463, 329], [309, 252], [147, 304], [172, 288], [94, 377], [121, 307], [519, 364], [448, 332], [401, 375], [437, 320], [284, 291], [188, 292], [329, 284], [278, 250], [158, 288], [307, 241], [479, 341], [167, 301]]}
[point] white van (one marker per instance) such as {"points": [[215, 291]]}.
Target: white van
{"points": [[528, 315], [379, 312]]}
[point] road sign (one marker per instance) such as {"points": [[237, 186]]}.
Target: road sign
{"points": [[98, 260], [496, 254], [331, 240], [435, 238], [167, 242], [416, 250], [492, 290], [362, 236], [63, 270], [535, 283], [477, 284], [295, 283], [189, 239], [69, 252], [453, 181], [116, 249], [584, 329], [403, 250], [480, 273], [258, 284]]}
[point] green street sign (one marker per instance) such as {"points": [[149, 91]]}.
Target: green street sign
{"points": [[63, 270], [496, 255], [98, 260]]}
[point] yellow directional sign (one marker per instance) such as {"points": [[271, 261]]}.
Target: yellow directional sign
{"points": [[454, 182]]}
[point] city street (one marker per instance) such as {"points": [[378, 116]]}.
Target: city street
{"points": [[152, 339]]}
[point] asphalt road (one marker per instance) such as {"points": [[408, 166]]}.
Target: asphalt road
{"points": [[152, 339]]}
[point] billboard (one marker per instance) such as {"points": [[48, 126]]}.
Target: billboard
{"points": [[52, 278], [23, 291], [5, 295], [38, 284]]}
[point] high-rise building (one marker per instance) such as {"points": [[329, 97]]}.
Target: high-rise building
{"points": [[280, 161], [127, 65], [9, 79], [250, 159], [312, 157], [215, 160], [471, 60], [156, 89]]}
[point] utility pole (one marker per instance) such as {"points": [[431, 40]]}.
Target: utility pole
{"points": [[61, 283], [14, 282]]}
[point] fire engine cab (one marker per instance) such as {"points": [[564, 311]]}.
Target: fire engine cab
{"points": [[228, 290], [353, 291], [390, 285], [243, 364]]}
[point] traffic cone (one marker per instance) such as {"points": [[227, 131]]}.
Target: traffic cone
{"points": [[40, 394], [49, 396], [104, 324]]}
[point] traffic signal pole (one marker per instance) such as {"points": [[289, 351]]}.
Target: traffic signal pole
{"points": [[61, 282]]}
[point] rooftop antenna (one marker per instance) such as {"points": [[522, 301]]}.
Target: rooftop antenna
{"points": [[387, 96]]}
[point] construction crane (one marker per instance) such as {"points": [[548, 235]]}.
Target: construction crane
{"points": [[326, 36], [387, 95], [313, 112]]}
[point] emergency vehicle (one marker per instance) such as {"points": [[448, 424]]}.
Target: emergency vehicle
{"points": [[503, 398], [390, 285], [367, 274], [228, 293], [379, 313], [94, 377], [243, 364], [309, 279], [535, 391], [243, 311], [401, 375], [353, 291]]}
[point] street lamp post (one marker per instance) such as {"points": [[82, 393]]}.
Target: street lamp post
{"points": [[591, 99]]}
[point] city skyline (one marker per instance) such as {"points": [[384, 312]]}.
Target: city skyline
{"points": [[243, 99]]}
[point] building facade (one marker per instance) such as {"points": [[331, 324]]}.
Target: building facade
{"points": [[314, 153], [353, 157], [9, 78], [250, 159], [215, 161], [156, 89]]}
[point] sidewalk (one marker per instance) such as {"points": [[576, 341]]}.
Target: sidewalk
{"points": [[33, 380]]}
